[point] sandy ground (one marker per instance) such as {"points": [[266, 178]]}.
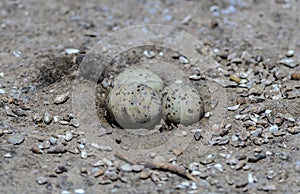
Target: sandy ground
{"points": [[54, 133]]}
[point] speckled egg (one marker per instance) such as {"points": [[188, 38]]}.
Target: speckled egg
{"points": [[134, 106], [143, 76], [181, 104]]}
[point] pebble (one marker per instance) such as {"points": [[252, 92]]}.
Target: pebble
{"points": [[60, 99], [7, 155], [197, 135], [219, 167], [58, 149], [177, 152], [208, 159], [68, 136], [126, 168], [42, 180], [145, 174], [295, 76], [52, 140], [257, 89], [83, 154], [233, 108], [289, 62], [137, 168], [269, 187], [254, 108], [36, 150], [149, 54], [56, 119], [2, 91], [79, 191], [98, 173], [289, 117], [107, 162], [112, 175], [234, 78], [293, 130], [9, 112], [70, 51], [255, 157], [290, 53], [44, 145], [60, 169], [195, 77], [104, 181], [37, 118], [183, 60], [47, 118], [16, 139], [74, 123]]}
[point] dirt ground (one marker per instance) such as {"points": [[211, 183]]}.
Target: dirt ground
{"points": [[55, 136]]}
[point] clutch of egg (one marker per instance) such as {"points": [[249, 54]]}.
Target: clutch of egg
{"points": [[139, 100]]}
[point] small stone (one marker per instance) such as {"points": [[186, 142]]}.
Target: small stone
{"points": [[234, 78], [60, 169], [69, 136], [99, 173], [52, 140], [184, 133], [290, 53], [195, 77], [60, 99], [2, 91], [219, 167], [145, 175], [197, 135], [293, 130], [47, 118], [44, 145], [289, 117], [107, 162], [269, 188], [233, 108], [36, 150], [79, 191], [7, 155], [56, 119], [255, 157], [16, 139], [58, 149], [112, 175], [254, 108], [37, 118], [208, 159], [19, 112], [126, 168], [9, 112], [70, 51], [42, 180], [83, 154], [74, 123], [289, 62], [177, 152], [104, 181], [149, 54], [257, 89], [295, 76], [137, 168], [183, 60]]}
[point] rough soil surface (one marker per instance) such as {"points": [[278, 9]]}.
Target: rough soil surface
{"points": [[46, 148]]}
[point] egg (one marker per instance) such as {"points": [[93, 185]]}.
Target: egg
{"points": [[143, 76], [134, 105], [181, 104]]}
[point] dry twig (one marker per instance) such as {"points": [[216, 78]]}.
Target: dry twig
{"points": [[158, 165]]}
